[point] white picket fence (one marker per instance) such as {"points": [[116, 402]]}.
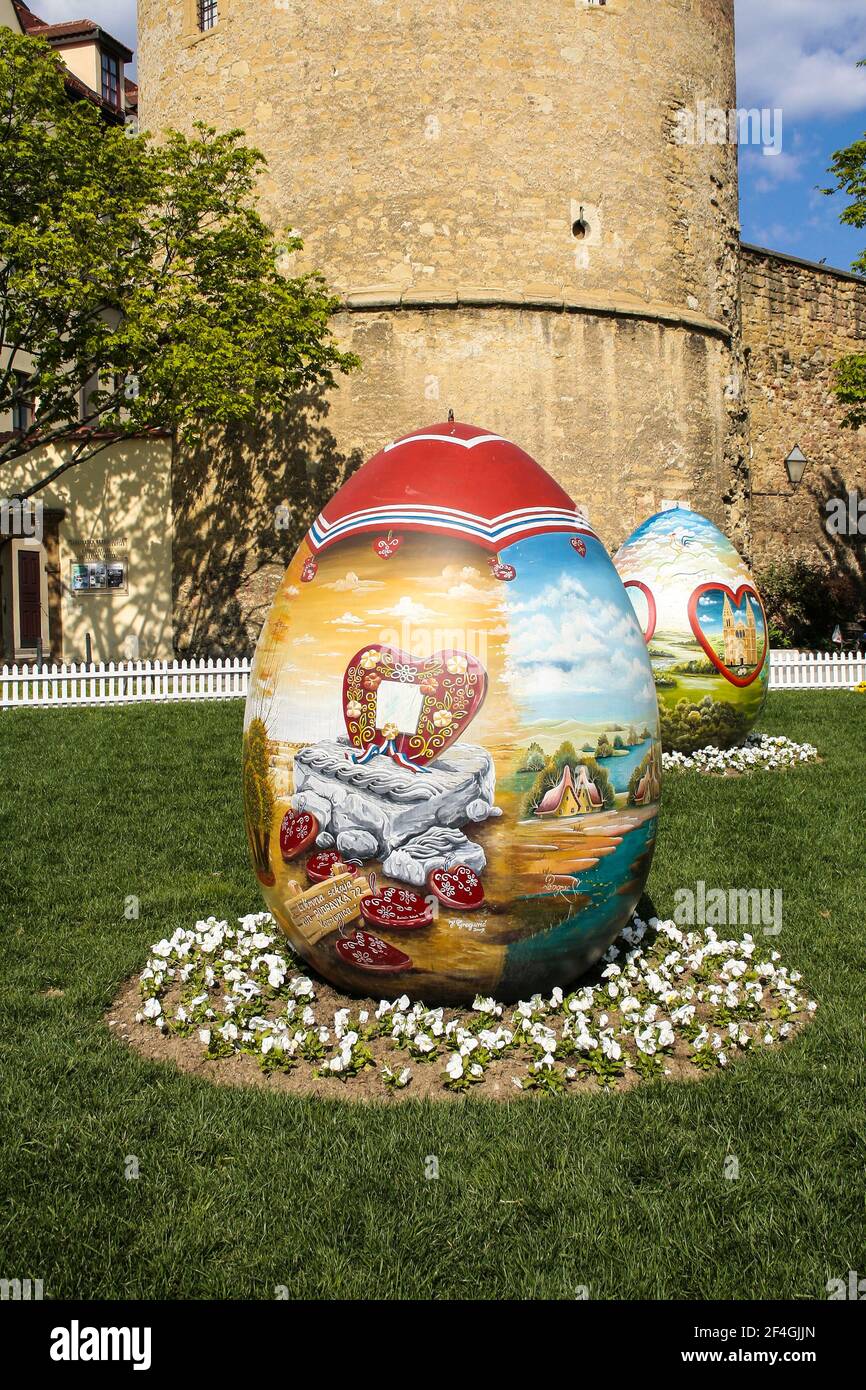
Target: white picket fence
{"points": [[125, 683], [792, 670], [131, 682]]}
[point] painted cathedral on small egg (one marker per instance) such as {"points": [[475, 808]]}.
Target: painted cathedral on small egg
{"points": [[740, 636]]}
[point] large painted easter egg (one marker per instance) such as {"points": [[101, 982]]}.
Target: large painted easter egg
{"points": [[451, 755], [705, 628]]}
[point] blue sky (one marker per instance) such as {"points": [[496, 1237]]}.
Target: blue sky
{"points": [[797, 55], [801, 56]]}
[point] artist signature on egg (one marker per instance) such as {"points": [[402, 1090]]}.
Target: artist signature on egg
{"points": [[479, 926]]}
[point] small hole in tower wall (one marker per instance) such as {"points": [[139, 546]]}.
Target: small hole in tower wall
{"points": [[580, 227]]}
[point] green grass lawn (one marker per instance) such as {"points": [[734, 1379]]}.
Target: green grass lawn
{"points": [[242, 1191]]}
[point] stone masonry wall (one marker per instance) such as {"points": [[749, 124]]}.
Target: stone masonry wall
{"points": [[798, 320]]}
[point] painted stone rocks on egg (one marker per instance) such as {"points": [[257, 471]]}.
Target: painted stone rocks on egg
{"points": [[451, 752], [705, 628]]}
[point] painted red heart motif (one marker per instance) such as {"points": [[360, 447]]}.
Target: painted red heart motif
{"points": [[298, 830], [499, 570], [369, 952], [386, 546], [410, 706], [396, 908], [652, 615], [310, 570], [458, 887], [579, 544], [744, 637], [320, 866]]}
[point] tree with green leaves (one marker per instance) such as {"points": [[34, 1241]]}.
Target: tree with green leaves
{"points": [[534, 759], [848, 168], [139, 287]]}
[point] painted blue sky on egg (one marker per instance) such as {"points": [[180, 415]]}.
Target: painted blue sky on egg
{"points": [[575, 649]]}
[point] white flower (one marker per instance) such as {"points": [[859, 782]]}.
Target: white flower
{"points": [[454, 1066], [152, 1009], [665, 1034]]}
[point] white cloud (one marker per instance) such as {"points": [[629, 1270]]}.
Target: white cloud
{"points": [[551, 598], [801, 55], [783, 168], [458, 572], [347, 620], [352, 584], [407, 610], [469, 593], [575, 643]]}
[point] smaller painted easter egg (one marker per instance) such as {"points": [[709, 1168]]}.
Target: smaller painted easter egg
{"points": [[704, 625]]}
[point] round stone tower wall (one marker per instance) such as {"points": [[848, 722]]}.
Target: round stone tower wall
{"points": [[503, 199]]}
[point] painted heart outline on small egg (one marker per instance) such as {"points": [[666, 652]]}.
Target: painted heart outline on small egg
{"points": [[745, 591], [652, 612]]}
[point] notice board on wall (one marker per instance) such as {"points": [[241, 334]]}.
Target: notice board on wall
{"points": [[99, 566]]}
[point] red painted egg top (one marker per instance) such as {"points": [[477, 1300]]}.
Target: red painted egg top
{"points": [[452, 478]]}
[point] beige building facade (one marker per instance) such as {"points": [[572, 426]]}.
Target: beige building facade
{"points": [[88, 570]]}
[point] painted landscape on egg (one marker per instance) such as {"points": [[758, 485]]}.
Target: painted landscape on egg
{"points": [[417, 705], [705, 625]]}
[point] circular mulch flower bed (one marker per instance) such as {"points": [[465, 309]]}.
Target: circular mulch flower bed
{"points": [[233, 1004]]}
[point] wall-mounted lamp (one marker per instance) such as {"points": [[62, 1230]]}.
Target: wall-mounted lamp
{"points": [[796, 464]]}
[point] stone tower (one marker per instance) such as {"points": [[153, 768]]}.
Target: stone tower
{"points": [[501, 196]]}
